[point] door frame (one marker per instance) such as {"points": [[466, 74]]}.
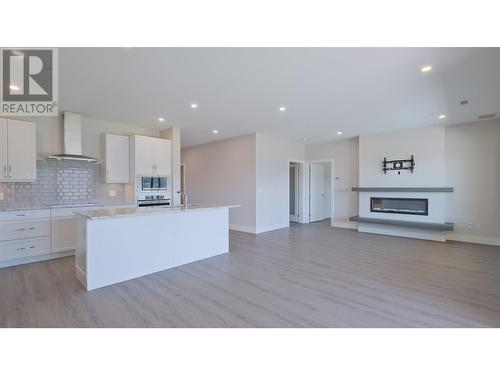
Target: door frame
{"points": [[332, 187], [303, 189]]}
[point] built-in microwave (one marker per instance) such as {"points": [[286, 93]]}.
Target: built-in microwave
{"points": [[154, 183]]}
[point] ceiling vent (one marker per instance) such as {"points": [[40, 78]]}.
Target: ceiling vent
{"points": [[486, 116]]}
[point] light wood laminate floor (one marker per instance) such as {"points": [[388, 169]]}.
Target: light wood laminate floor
{"points": [[304, 276]]}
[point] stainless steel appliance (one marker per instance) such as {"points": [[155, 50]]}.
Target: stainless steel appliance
{"points": [[154, 183], [153, 191]]}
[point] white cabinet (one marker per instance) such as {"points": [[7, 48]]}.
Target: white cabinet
{"points": [[116, 163], [163, 157], [17, 150], [151, 156], [24, 234]]}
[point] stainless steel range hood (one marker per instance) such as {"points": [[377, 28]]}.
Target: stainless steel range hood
{"points": [[73, 140]]}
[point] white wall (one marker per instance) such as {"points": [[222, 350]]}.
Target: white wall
{"points": [[345, 154], [473, 169], [427, 146], [273, 156], [225, 172]]}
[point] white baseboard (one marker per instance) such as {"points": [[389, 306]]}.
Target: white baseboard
{"points": [[242, 228], [253, 230], [345, 224], [473, 239], [272, 227], [39, 258]]}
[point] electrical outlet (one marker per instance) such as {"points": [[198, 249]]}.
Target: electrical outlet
{"points": [[112, 193], [1, 196], [469, 225]]}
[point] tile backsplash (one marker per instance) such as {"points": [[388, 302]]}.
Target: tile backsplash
{"points": [[61, 182]]}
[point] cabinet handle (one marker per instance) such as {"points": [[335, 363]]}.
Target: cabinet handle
{"points": [[5, 170], [31, 228], [21, 215], [20, 229], [21, 248], [32, 247], [10, 171]]}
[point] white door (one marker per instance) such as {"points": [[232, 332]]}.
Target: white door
{"points": [[3, 150], [117, 159], [318, 206], [163, 157], [294, 192], [21, 137], [144, 156]]}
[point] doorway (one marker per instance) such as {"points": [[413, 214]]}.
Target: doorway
{"points": [[294, 192], [320, 190]]}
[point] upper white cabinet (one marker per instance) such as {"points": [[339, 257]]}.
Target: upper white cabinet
{"points": [[151, 156], [163, 157], [116, 163], [17, 150]]}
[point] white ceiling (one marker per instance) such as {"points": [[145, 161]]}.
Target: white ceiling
{"points": [[240, 90]]}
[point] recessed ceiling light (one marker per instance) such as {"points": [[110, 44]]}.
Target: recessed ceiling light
{"points": [[441, 117], [161, 119], [282, 109], [339, 133], [426, 68], [15, 88], [194, 105], [215, 131]]}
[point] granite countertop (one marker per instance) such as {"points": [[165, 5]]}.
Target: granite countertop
{"points": [[13, 206], [123, 212]]}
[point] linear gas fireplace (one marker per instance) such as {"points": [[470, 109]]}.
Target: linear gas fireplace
{"points": [[407, 206]]}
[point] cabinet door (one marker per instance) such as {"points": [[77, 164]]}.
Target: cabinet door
{"points": [[21, 137], [117, 158], [163, 157], [3, 149], [144, 156], [63, 234]]}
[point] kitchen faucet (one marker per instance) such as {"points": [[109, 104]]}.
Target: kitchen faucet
{"points": [[184, 198]]}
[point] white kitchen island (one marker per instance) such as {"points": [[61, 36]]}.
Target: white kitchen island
{"points": [[121, 244]]}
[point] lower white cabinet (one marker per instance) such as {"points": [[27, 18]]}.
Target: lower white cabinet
{"points": [[31, 233], [18, 229], [24, 234], [24, 248]]}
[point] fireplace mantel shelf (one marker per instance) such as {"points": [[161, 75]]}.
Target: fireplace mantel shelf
{"points": [[403, 223], [407, 189]]}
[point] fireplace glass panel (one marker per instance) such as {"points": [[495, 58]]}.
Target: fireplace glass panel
{"points": [[407, 206]]}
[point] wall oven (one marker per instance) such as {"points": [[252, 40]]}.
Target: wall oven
{"points": [[154, 183], [153, 191]]}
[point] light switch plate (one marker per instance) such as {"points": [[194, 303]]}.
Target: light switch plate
{"points": [[112, 193], [1, 196]]}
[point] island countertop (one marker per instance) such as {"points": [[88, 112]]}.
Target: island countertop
{"points": [[123, 212]]}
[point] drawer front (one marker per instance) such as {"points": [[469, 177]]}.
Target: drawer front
{"points": [[19, 229], [24, 248], [24, 215]]}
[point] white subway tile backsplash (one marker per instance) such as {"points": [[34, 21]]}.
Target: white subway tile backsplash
{"points": [[60, 181]]}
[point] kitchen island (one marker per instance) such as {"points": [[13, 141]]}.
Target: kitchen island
{"points": [[115, 245]]}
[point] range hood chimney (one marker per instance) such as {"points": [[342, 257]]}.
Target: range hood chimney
{"points": [[73, 140]]}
